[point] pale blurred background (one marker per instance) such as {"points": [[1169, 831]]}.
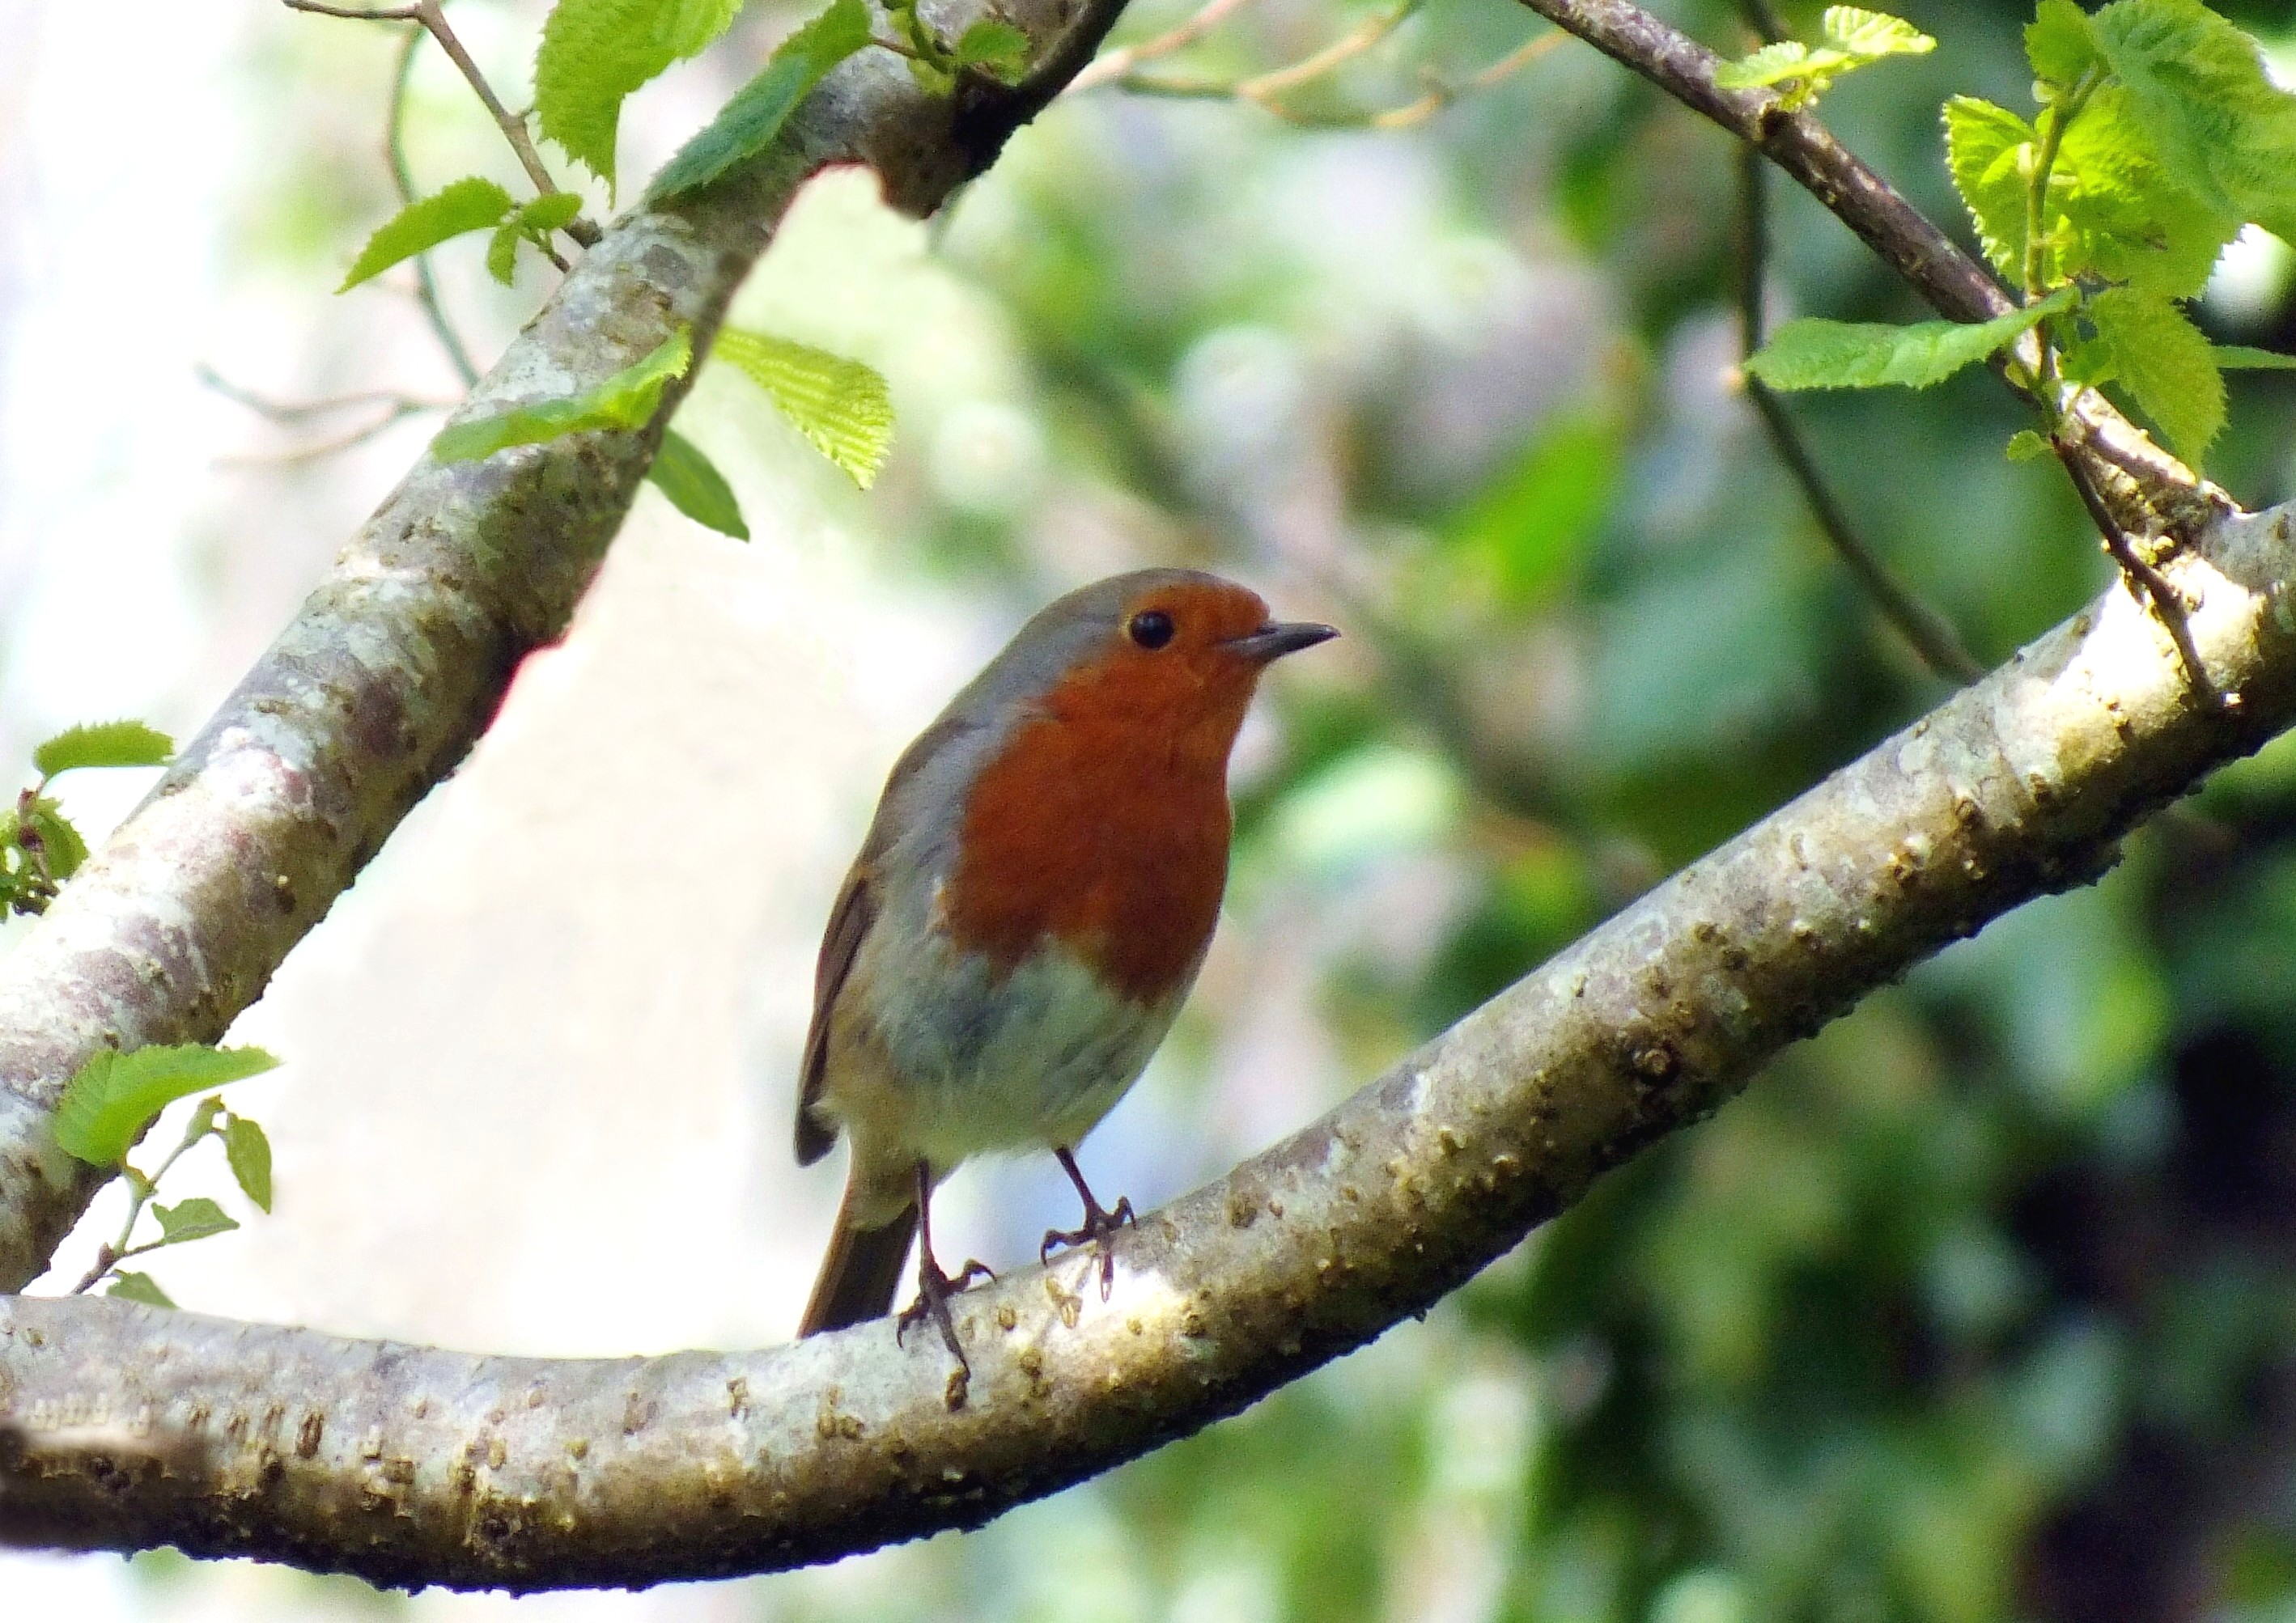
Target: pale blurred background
{"points": [[1458, 387]]}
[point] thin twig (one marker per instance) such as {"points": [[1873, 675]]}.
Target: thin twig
{"points": [[394, 149], [1346, 48], [1930, 633], [2170, 606], [433, 19], [288, 413], [1117, 63], [398, 413]]}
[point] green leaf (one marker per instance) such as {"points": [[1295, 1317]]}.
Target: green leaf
{"points": [[695, 487], [471, 204], [131, 1286], [997, 48], [59, 842], [626, 400], [2026, 445], [841, 406], [2240, 357], [690, 27], [103, 744], [595, 53], [1868, 36], [1770, 65], [2166, 365], [2224, 131], [533, 223], [1988, 150], [192, 1219], [2116, 212], [1815, 354], [112, 1098], [2058, 42], [249, 1151], [746, 125]]}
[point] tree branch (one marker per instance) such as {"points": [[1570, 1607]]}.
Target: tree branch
{"points": [[123, 1427], [398, 660]]}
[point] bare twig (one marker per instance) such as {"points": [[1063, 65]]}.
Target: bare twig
{"points": [[433, 19], [1931, 635], [1110, 66], [2144, 579], [402, 176]]}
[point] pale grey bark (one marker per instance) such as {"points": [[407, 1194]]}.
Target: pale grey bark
{"points": [[123, 1427], [399, 657]]}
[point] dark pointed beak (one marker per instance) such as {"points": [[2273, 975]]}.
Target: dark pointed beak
{"points": [[1273, 641]]}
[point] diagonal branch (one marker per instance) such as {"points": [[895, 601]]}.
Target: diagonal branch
{"points": [[123, 1427], [399, 658]]}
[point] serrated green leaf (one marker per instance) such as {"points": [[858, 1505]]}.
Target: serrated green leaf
{"points": [[695, 487], [60, 842], [593, 53], [471, 204], [502, 254], [2026, 445], [129, 1285], [249, 1151], [2117, 214], [626, 400], [1772, 64], [1988, 152], [192, 1219], [112, 1098], [690, 27], [2058, 42], [533, 223], [1870, 36], [1815, 354], [2241, 357], [998, 48], [103, 744], [2088, 363], [2224, 131], [2166, 365], [746, 125], [840, 406]]}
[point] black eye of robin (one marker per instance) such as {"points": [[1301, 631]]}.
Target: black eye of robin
{"points": [[1152, 628]]}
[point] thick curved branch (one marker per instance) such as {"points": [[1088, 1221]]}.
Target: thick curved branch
{"points": [[123, 1427], [398, 660], [1953, 283]]}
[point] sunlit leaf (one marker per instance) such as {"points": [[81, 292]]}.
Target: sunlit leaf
{"points": [[746, 125], [2058, 42], [1816, 354], [472, 204], [103, 744], [841, 406], [1870, 36], [1986, 150], [2165, 364], [113, 1097], [595, 53], [60, 842], [626, 400], [2241, 357]]}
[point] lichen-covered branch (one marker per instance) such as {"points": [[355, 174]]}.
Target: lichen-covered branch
{"points": [[399, 657], [123, 1427], [1955, 285]]}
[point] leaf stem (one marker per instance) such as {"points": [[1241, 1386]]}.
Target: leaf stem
{"points": [[141, 1190], [2056, 119], [402, 175]]}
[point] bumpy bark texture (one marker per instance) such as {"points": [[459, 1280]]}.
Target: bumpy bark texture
{"points": [[123, 1427], [399, 658]]}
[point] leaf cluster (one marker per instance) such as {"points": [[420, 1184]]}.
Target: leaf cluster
{"points": [[470, 204], [1853, 37], [108, 1105], [39, 849], [2157, 136]]}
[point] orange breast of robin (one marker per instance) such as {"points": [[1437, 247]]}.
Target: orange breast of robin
{"points": [[1104, 822]]}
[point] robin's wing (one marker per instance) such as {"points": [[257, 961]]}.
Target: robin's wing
{"points": [[848, 922]]}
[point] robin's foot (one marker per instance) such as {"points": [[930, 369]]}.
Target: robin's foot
{"points": [[934, 1288], [1099, 1232]]}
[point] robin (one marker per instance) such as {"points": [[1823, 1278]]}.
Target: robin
{"points": [[1030, 908]]}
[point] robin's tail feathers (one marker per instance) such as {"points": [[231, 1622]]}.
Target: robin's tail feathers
{"points": [[861, 1275]]}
